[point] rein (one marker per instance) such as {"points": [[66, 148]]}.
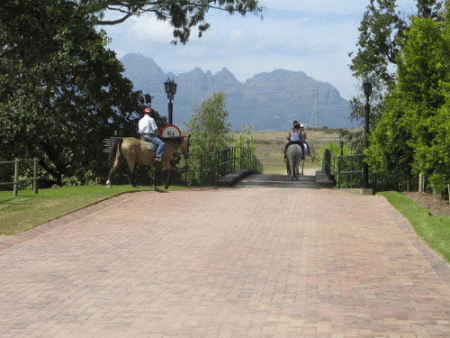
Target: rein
{"points": [[176, 142]]}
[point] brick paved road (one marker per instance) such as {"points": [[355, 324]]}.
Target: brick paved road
{"points": [[259, 262]]}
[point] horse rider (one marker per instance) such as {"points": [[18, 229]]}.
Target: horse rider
{"points": [[296, 137], [303, 137], [149, 132]]}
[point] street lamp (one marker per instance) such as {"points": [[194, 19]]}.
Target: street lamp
{"points": [[367, 88], [171, 89]]}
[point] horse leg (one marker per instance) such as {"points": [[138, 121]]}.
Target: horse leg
{"points": [[116, 164], [166, 186], [291, 167], [168, 169], [130, 166], [295, 176]]}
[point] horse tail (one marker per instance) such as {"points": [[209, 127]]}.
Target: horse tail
{"points": [[114, 148]]}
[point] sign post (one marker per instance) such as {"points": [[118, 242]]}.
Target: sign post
{"points": [[171, 131]]}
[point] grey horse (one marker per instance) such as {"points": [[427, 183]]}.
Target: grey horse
{"points": [[294, 154]]}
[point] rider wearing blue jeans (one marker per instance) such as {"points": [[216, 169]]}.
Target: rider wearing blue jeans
{"points": [[149, 130]]}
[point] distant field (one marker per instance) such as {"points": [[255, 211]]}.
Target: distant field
{"points": [[270, 145]]}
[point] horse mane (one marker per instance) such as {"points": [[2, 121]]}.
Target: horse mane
{"points": [[177, 139]]}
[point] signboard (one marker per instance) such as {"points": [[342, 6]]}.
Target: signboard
{"points": [[171, 131]]}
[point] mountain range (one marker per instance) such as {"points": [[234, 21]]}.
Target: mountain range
{"points": [[267, 101]]}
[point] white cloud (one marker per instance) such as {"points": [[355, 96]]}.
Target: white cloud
{"points": [[148, 28], [327, 6]]}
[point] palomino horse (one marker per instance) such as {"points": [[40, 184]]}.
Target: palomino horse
{"points": [[133, 151], [294, 154]]}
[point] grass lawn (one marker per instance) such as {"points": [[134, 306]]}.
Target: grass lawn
{"points": [[18, 214], [435, 230]]}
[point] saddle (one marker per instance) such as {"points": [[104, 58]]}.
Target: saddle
{"points": [[149, 145]]}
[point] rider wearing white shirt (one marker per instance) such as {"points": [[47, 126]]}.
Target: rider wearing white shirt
{"points": [[296, 136], [149, 130]]}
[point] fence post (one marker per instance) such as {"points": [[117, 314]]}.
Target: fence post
{"points": [[340, 169], [16, 177], [421, 183], [201, 170], [35, 178]]}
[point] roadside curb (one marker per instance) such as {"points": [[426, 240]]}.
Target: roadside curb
{"points": [[231, 179]]}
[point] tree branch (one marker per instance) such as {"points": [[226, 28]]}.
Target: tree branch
{"points": [[113, 22]]}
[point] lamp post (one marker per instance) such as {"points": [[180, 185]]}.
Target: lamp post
{"points": [[171, 89], [367, 88]]}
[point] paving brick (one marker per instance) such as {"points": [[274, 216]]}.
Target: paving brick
{"points": [[253, 262]]}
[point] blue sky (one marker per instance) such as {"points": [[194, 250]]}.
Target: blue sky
{"points": [[313, 36]]}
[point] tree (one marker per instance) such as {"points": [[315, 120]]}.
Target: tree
{"points": [[182, 15], [208, 127], [209, 134], [427, 64], [61, 91], [413, 128], [380, 41], [246, 138], [390, 151]]}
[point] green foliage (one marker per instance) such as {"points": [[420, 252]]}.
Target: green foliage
{"points": [[389, 149], [379, 44], [412, 135], [422, 75], [209, 134], [352, 139], [182, 15], [61, 91], [208, 127], [246, 138], [333, 147], [436, 158]]}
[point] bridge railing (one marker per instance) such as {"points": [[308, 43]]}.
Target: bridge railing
{"points": [[348, 170], [205, 169]]}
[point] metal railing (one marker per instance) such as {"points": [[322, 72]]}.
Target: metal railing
{"points": [[207, 168], [18, 181], [348, 170], [326, 163]]}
